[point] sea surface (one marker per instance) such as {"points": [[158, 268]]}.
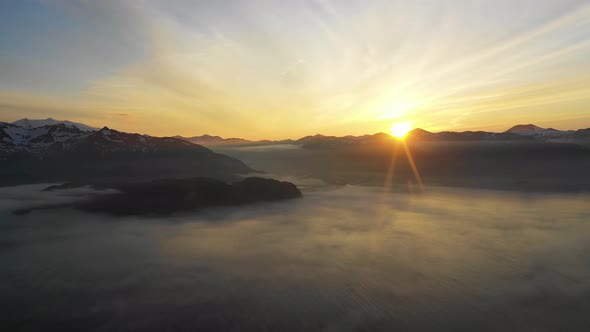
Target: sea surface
{"points": [[349, 258]]}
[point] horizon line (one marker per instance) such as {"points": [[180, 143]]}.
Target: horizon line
{"points": [[290, 138]]}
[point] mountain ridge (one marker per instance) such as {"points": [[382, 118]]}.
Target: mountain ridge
{"points": [[36, 123], [61, 153], [517, 132]]}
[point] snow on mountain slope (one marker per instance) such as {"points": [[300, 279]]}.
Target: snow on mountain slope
{"points": [[18, 135], [14, 138], [61, 137], [63, 153], [35, 123], [109, 140], [55, 134]]}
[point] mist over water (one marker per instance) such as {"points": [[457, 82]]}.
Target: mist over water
{"points": [[350, 259]]}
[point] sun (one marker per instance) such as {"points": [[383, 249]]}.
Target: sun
{"points": [[400, 129]]}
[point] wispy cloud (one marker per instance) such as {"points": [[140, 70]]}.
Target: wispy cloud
{"points": [[275, 69]]}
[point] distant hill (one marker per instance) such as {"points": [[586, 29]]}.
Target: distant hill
{"points": [[449, 136], [319, 141], [504, 161], [532, 130], [582, 134], [526, 129], [208, 140], [519, 133]]}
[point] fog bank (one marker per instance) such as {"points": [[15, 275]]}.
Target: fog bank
{"points": [[343, 260]]}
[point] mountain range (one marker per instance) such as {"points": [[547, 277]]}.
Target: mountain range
{"points": [[47, 137], [33, 151], [36, 134], [527, 132], [209, 140], [63, 152]]}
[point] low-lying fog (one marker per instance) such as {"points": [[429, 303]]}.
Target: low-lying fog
{"points": [[535, 167], [350, 258]]}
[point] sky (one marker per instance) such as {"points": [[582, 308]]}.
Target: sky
{"points": [[286, 69]]}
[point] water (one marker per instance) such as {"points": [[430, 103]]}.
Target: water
{"points": [[350, 259]]}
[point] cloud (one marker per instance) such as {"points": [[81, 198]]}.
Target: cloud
{"points": [[277, 70], [343, 259], [33, 196]]}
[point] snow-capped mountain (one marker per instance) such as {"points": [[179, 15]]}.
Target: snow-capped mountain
{"points": [[36, 123], [15, 138], [107, 140], [61, 138], [63, 153]]}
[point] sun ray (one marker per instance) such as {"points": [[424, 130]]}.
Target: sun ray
{"points": [[413, 165]]}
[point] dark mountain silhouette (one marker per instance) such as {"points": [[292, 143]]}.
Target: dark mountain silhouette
{"points": [[582, 134], [519, 133], [468, 159], [208, 140], [445, 136], [526, 128], [536, 131], [321, 141]]}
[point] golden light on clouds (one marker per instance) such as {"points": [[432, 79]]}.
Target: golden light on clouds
{"points": [[289, 69]]}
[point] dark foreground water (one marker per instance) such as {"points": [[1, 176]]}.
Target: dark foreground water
{"points": [[351, 259]]}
